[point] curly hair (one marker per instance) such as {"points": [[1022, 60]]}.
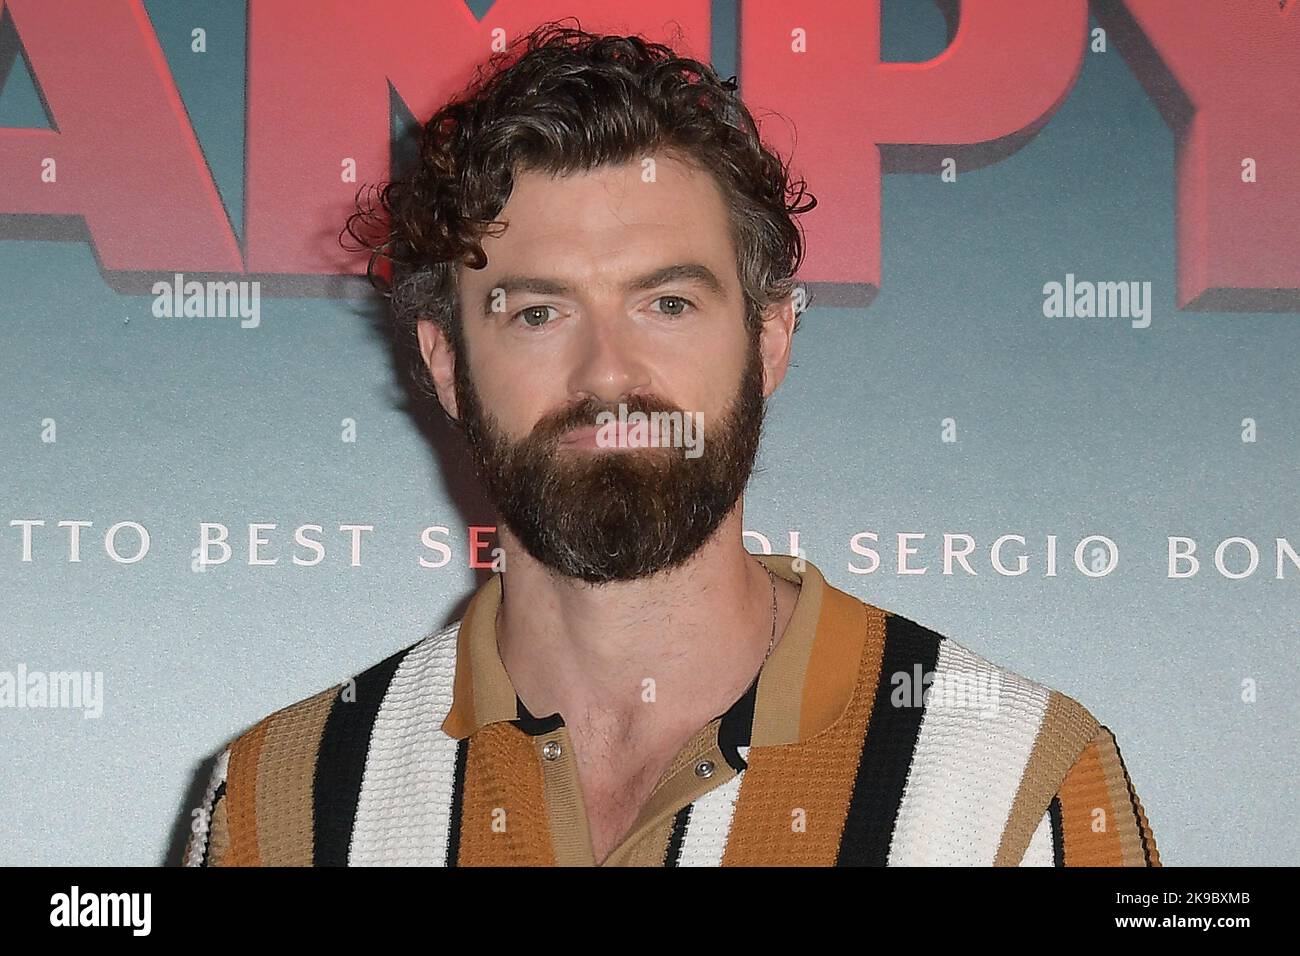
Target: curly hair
{"points": [[561, 100]]}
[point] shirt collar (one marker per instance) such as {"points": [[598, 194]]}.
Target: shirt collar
{"points": [[802, 688]]}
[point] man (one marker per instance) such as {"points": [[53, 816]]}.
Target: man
{"points": [[594, 230]]}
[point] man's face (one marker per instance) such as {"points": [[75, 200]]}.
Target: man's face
{"points": [[612, 286]]}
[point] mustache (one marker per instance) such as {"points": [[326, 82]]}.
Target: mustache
{"points": [[584, 414]]}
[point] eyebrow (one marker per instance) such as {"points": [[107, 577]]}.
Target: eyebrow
{"points": [[677, 272]]}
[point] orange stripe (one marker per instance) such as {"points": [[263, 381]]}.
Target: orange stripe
{"points": [[794, 798], [241, 797], [503, 817], [1126, 824], [1090, 839], [1122, 788], [831, 676]]}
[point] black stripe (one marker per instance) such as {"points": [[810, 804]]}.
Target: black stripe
{"points": [[1058, 832], [212, 813], [534, 726], [889, 742], [457, 803], [341, 761], [678, 836], [737, 726], [1132, 798]]}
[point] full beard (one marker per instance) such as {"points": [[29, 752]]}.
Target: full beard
{"points": [[614, 515]]}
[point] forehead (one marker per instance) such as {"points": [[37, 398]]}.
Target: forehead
{"points": [[612, 221]]}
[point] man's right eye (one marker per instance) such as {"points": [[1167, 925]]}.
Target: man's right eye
{"points": [[534, 316]]}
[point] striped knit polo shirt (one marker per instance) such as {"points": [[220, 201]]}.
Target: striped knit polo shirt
{"points": [[865, 740]]}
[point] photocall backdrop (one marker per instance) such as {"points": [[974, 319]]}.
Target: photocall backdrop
{"points": [[981, 172]]}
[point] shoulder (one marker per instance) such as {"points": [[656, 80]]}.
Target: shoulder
{"points": [[295, 731], [277, 783], [962, 688], [991, 751], [976, 720]]}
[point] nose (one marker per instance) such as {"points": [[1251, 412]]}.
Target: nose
{"points": [[609, 359]]}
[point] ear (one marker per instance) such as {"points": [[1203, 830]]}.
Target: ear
{"points": [[438, 355], [774, 342]]}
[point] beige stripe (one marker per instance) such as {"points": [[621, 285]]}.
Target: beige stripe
{"points": [[566, 811], [1066, 729], [650, 848], [678, 785], [781, 683], [459, 722], [1146, 830], [463, 719], [285, 774]]}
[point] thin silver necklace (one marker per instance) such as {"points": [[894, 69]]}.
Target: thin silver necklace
{"points": [[772, 643]]}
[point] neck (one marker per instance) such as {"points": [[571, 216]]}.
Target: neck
{"points": [[636, 660]]}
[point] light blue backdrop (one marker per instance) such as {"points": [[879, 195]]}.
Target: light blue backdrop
{"points": [[1065, 427]]}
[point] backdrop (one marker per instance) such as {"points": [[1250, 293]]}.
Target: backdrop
{"points": [[1054, 284]]}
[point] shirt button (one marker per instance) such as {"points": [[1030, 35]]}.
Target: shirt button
{"points": [[704, 768], [551, 750]]}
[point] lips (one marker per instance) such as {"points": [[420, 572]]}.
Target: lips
{"points": [[580, 437], [585, 437]]}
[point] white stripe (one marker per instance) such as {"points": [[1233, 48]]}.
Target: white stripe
{"points": [[1039, 852], [202, 827], [976, 736], [404, 808], [709, 822]]}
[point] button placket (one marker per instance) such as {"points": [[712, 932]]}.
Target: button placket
{"points": [[701, 768], [566, 812]]}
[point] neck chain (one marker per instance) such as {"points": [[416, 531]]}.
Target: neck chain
{"points": [[772, 643]]}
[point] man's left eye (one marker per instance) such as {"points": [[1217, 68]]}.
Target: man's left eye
{"points": [[676, 305]]}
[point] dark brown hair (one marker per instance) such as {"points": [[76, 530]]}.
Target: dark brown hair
{"points": [[562, 100]]}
